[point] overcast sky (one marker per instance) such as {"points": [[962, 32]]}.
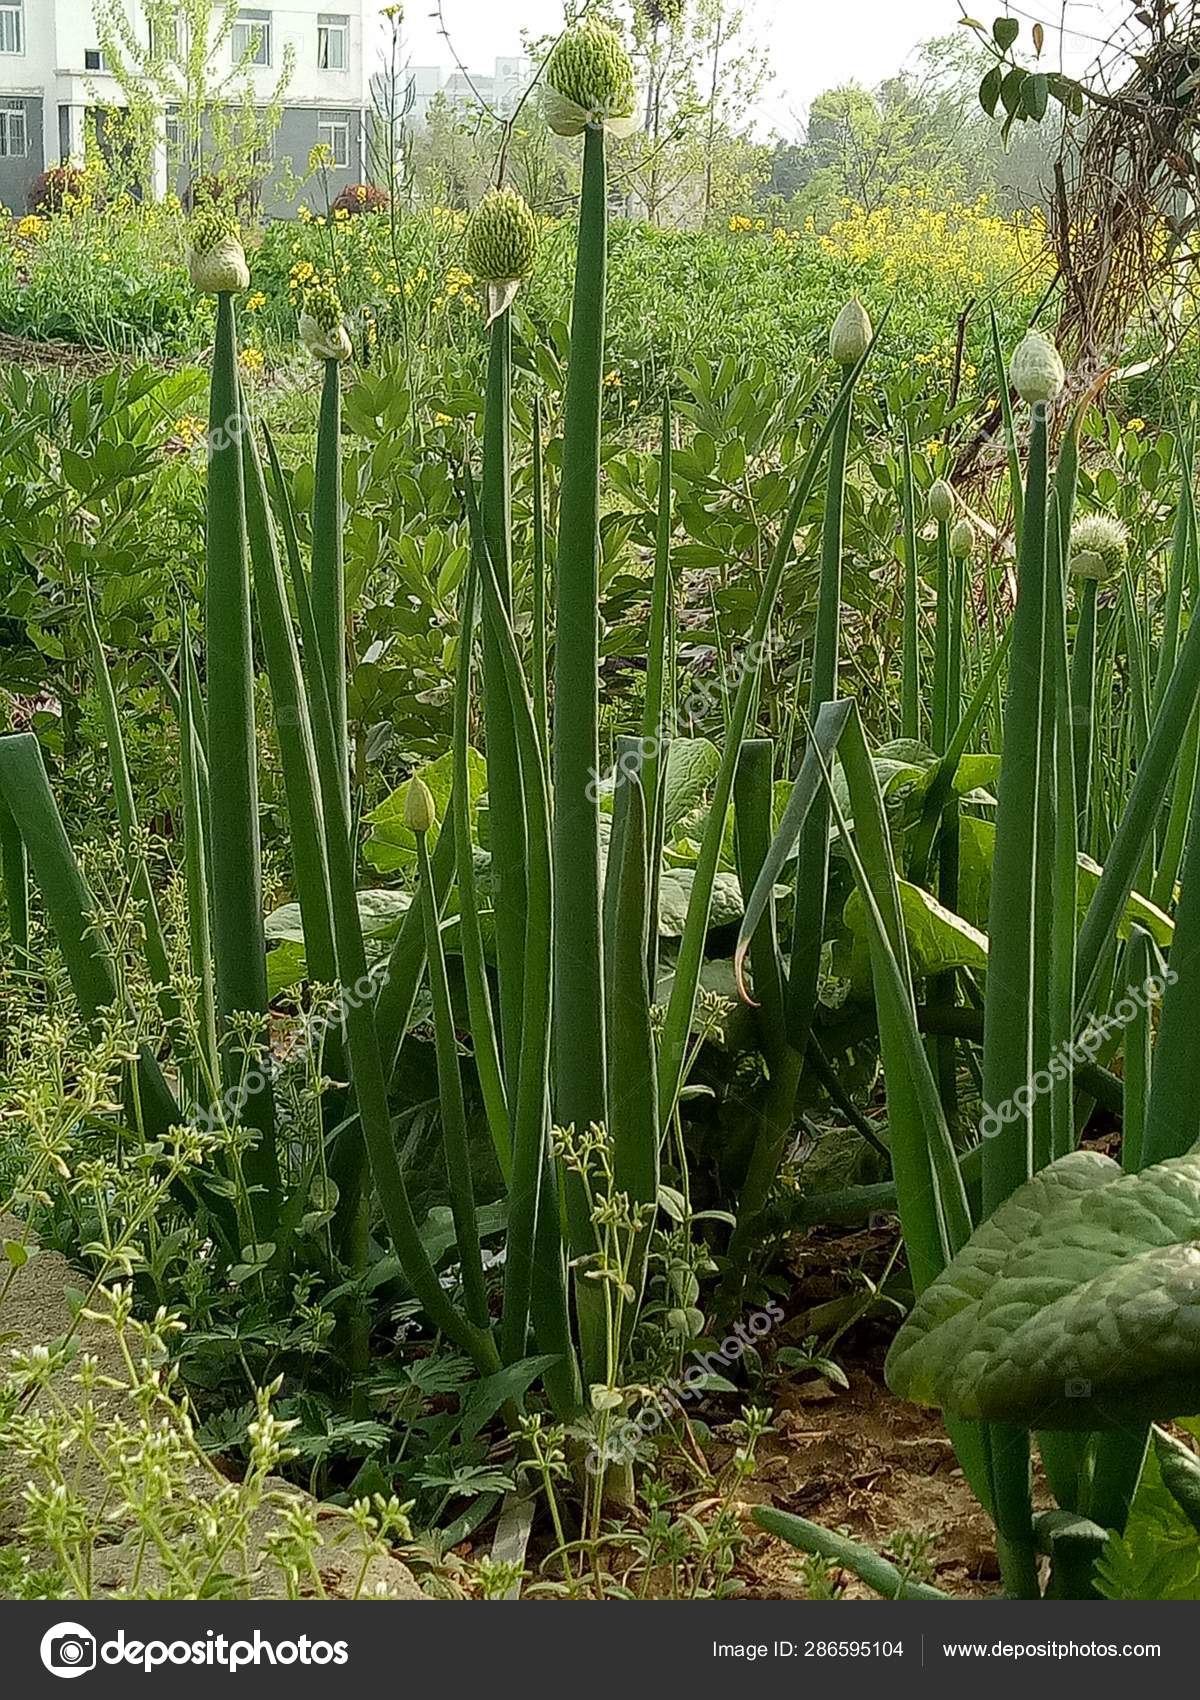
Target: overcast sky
{"points": [[814, 44]]}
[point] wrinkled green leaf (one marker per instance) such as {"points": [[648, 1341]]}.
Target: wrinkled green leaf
{"points": [[1076, 1306]]}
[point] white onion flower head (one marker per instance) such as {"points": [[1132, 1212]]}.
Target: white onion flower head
{"points": [[322, 325], [502, 244], [1099, 547], [1037, 371], [589, 82]]}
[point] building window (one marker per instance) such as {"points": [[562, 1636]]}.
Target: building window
{"points": [[333, 132], [12, 26], [174, 135], [333, 41], [14, 132], [171, 44], [252, 38], [93, 59]]}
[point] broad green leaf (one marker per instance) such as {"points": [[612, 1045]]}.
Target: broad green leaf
{"points": [[380, 913], [391, 846], [1035, 96], [977, 853], [1140, 909], [286, 967], [907, 766], [938, 939], [1076, 1306], [692, 765], [674, 895]]}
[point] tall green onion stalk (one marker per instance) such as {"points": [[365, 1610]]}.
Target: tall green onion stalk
{"points": [[1098, 554], [1023, 846], [785, 1057], [580, 1096], [14, 875], [1009, 1056], [848, 342], [590, 91], [501, 244], [235, 871], [955, 544], [328, 573], [910, 683]]}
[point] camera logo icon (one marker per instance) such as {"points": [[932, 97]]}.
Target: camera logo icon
{"points": [[68, 1649]]}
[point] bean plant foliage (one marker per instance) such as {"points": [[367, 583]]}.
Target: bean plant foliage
{"points": [[526, 828]]}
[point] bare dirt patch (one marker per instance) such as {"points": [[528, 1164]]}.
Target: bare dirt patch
{"points": [[860, 1460]]}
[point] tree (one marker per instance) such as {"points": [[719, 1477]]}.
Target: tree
{"points": [[177, 56], [1126, 224], [699, 72], [922, 128]]}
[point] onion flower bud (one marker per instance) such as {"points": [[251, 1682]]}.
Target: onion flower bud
{"points": [[420, 810], [216, 258], [851, 334], [941, 501], [962, 539], [1037, 371], [589, 81]]}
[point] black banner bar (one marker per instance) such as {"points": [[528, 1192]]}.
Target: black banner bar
{"points": [[571, 1649]]}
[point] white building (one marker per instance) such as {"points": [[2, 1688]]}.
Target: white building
{"points": [[500, 90], [52, 75]]}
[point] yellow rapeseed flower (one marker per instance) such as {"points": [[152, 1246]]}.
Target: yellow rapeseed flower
{"points": [[190, 429]]}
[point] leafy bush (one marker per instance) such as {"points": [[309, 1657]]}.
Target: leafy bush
{"points": [[57, 190], [358, 198]]}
